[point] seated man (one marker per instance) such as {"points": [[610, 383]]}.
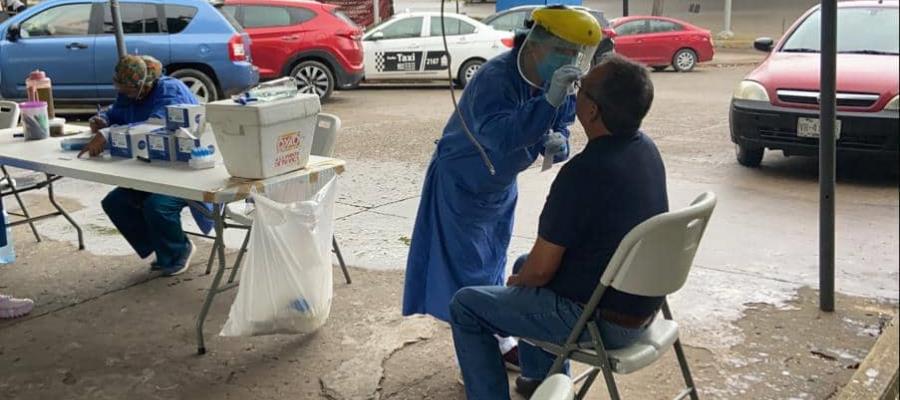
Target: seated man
{"points": [[614, 184], [150, 222]]}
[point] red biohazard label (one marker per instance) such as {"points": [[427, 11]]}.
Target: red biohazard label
{"points": [[286, 160], [288, 142]]}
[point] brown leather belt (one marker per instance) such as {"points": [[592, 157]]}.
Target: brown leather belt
{"points": [[627, 321]]}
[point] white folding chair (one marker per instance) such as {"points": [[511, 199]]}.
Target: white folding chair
{"points": [[324, 140], [556, 387], [652, 260], [9, 118], [9, 114]]}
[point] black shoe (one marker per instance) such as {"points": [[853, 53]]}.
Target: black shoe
{"points": [[527, 386]]}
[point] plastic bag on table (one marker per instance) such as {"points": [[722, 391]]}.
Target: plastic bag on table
{"points": [[286, 281]]}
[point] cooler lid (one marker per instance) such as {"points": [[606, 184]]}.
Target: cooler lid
{"points": [[263, 113]]}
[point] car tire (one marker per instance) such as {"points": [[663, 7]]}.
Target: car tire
{"points": [[749, 156], [200, 84], [467, 71], [684, 60], [659, 68], [315, 78]]}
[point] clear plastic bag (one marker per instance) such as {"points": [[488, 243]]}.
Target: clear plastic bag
{"points": [[286, 279]]}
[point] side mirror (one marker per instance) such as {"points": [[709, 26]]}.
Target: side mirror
{"points": [[13, 33], [764, 44], [377, 36]]}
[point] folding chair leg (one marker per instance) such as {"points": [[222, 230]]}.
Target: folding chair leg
{"points": [[685, 370], [340, 257], [12, 185], [611, 385], [240, 257], [604, 362], [682, 360], [588, 381]]}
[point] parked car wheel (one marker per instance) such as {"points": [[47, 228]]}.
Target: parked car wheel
{"points": [[685, 60], [315, 78], [200, 84], [660, 68], [749, 156], [467, 72]]}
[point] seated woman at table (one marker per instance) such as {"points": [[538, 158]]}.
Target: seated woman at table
{"points": [[150, 222]]}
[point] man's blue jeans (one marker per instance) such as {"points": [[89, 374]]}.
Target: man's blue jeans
{"points": [[150, 222], [477, 313]]}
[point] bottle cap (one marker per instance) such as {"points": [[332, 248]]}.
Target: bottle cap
{"points": [[37, 75]]}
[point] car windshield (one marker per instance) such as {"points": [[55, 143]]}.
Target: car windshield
{"points": [[855, 32]]}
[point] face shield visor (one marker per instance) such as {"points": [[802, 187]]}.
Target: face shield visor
{"points": [[543, 53]]}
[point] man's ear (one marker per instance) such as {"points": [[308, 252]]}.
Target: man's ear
{"points": [[595, 111]]}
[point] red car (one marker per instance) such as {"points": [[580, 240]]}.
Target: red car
{"points": [[776, 106], [311, 41], [660, 42]]}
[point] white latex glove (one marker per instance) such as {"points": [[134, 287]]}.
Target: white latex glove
{"points": [[562, 84], [554, 144]]}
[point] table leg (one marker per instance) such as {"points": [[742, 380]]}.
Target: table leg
{"points": [[240, 257], [64, 213], [15, 192], [219, 244]]}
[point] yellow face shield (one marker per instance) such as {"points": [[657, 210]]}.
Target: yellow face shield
{"points": [[560, 36]]}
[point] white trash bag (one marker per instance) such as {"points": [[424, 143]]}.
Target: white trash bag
{"points": [[286, 281]]}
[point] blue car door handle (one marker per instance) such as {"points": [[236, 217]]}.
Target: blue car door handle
{"points": [[76, 46]]}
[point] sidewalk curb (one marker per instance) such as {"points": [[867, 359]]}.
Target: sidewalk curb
{"points": [[877, 377]]}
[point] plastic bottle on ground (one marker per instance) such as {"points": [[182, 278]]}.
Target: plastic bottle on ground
{"points": [[8, 252]]}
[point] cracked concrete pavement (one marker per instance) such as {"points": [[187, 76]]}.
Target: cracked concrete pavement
{"points": [[106, 328]]}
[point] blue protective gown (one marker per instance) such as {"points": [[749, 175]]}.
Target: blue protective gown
{"points": [[167, 91], [465, 216]]}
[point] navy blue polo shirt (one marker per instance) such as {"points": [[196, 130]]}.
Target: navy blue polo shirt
{"points": [[596, 199]]}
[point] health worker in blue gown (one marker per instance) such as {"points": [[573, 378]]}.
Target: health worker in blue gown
{"points": [[519, 105]]}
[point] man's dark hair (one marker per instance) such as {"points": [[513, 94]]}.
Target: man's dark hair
{"points": [[623, 94]]}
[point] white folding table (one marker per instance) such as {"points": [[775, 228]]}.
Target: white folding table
{"points": [[212, 185]]}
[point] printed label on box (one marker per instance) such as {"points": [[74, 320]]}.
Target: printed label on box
{"points": [[185, 145], [178, 117], [157, 143], [119, 140]]}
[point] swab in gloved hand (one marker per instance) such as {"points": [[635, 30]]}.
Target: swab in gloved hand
{"points": [[562, 84], [554, 145]]}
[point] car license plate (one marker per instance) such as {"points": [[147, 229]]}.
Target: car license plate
{"points": [[811, 128]]}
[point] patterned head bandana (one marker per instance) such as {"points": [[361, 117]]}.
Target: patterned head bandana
{"points": [[135, 75], [154, 68]]}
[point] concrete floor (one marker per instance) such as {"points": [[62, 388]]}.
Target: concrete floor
{"points": [[105, 328]]}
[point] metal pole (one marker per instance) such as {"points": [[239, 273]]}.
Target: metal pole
{"points": [[827, 154], [624, 8], [117, 26], [377, 9], [728, 16]]}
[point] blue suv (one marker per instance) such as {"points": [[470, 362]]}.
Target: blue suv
{"points": [[73, 41]]}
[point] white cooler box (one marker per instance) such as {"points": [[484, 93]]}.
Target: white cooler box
{"points": [[260, 140]]}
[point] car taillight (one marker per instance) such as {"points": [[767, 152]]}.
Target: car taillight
{"points": [[236, 49], [508, 42]]}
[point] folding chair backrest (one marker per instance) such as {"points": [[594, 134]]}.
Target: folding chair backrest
{"points": [[9, 114], [326, 135], [655, 257]]}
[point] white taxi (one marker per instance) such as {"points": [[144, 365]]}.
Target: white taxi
{"points": [[410, 47]]}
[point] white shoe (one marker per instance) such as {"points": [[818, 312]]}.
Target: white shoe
{"points": [[11, 307]]}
